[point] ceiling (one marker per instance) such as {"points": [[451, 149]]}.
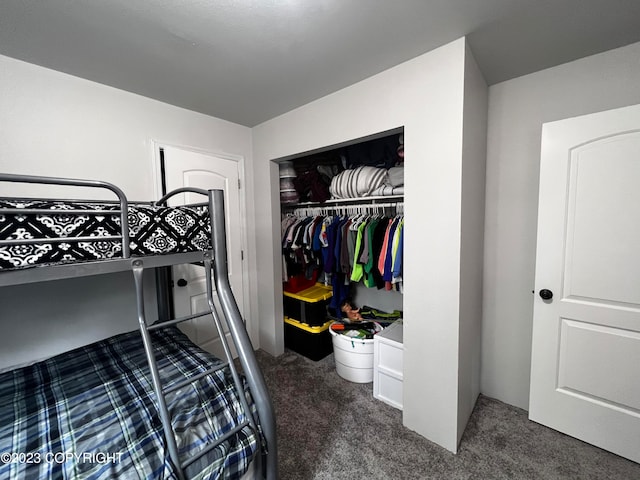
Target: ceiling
{"points": [[247, 61]]}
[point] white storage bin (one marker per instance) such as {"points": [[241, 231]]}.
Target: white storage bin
{"points": [[354, 357]]}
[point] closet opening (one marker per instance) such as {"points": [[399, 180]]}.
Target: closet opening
{"points": [[342, 227]]}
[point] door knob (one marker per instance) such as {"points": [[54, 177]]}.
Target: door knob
{"points": [[544, 293], [182, 282]]}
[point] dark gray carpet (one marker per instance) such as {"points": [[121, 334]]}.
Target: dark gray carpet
{"points": [[329, 428]]}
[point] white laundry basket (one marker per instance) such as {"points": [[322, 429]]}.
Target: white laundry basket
{"points": [[354, 357]]}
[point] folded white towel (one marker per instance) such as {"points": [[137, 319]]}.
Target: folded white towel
{"points": [[395, 176]]}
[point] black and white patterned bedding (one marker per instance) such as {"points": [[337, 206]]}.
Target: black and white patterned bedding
{"points": [[152, 230], [90, 413]]}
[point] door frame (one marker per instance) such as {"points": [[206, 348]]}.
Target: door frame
{"points": [[156, 145]]}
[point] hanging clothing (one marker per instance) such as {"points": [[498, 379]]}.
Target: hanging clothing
{"points": [[346, 248]]}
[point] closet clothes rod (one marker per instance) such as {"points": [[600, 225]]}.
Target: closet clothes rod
{"points": [[373, 200], [352, 208]]}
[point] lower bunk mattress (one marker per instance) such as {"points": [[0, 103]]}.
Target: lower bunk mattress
{"points": [[90, 413]]}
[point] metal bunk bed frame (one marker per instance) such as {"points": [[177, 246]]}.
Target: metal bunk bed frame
{"points": [[215, 261]]}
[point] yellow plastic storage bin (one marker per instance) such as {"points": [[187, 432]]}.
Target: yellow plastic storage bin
{"points": [[312, 342], [308, 306]]}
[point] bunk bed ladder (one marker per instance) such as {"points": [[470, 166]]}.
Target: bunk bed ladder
{"points": [[244, 348], [241, 341], [161, 392]]}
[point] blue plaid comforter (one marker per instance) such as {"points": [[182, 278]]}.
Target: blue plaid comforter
{"points": [[91, 414]]}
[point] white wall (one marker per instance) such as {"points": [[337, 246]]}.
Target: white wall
{"points": [[517, 110], [46, 318], [474, 148], [58, 125], [425, 95]]}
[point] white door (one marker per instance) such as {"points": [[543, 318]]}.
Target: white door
{"points": [[186, 168], [585, 373]]}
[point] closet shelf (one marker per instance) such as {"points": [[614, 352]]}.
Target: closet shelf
{"points": [[346, 201]]}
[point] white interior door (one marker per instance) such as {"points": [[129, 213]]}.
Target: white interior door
{"points": [[585, 375], [185, 168]]}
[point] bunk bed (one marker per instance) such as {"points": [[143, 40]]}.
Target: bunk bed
{"points": [[144, 404]]}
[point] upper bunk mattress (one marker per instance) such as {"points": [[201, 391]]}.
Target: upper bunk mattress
{"points": [[91, 413], [152, 231]]}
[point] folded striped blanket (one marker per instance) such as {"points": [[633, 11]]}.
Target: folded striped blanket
{"points": [[358, 182]]}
